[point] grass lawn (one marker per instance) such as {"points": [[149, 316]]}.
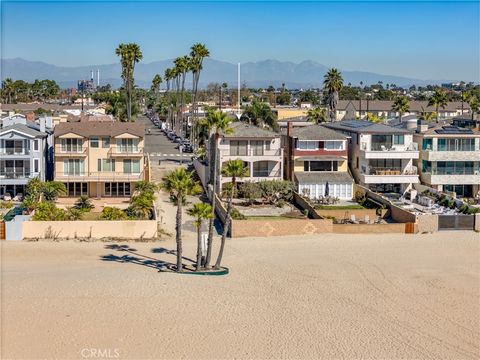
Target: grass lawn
{"points": [[339, 207], [91, 216]]}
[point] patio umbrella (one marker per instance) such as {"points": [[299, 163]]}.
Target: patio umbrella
{"points": [[327, 189]]}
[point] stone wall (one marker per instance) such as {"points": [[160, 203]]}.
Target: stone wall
{"points": [[476, 226], [202, 172], [427, 223], [279, 227], [122, 229]]}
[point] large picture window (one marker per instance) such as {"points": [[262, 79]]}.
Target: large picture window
{"points": [[238, 147], [307, 145], [334, 145], [131, 166]]}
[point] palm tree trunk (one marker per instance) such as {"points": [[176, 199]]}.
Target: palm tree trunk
{"points": [[178, 229], [199, 247], [226, 228], [436, 109], [212, 220]]}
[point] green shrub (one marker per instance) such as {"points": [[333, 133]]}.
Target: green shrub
{"points": [[74, 213], [275, 190], [6, 204], [113, 213], [237, 215], [249, 190], [84, 204], [47, 211]]}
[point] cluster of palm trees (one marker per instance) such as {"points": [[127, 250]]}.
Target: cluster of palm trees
{"points": [[175, 79], [130, 54]]}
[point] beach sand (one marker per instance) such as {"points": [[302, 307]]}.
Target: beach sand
{"points": [[319, 297]]}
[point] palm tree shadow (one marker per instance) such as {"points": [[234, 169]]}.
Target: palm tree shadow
{"points": [[162, 250], [133, 257]]}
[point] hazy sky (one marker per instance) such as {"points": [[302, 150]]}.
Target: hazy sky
{"points": [[425, 40]]}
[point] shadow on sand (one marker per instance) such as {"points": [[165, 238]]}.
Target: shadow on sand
{"points": [[134, 257]]}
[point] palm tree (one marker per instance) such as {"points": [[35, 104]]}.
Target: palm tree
{"points": [[198, 52], [438, 99], [182, 65], [218, 123], [145, 186], [8, 90], [260, 114], [234, 169], [474, 105], [84, 203], [333, 83], [180, 183], [156, 81], [317, 115], [200, 211], [130, 54], [168, 75], [51, 190], [401, 105], [427, 115]]}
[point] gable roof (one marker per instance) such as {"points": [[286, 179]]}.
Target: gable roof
{"points": [[23, 129], [244, 130], [99, 128], [366, 127], [317, 132]]}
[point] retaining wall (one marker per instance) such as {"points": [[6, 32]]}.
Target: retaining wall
{"points": [[279, 227], [477, 222], [128, 229], [369, 228]]}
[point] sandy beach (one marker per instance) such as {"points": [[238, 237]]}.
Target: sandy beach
{"points": [[320, 297]]}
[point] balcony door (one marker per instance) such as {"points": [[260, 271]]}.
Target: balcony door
{"points": [[127, 145], [73, 167]]}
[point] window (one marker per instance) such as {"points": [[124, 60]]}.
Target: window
{"points": [[307, 145], [105, 142], [261, 169], [427, 144], [35, 145], [321, 166], [238, 147], [94, 142], [106, 165], [267, 144], [399, 139], [71, 145], [334, 145], [426, 166], [131, 166], [127, 145], [256, 147], [36, 166], [73, 167], [15, 147]]}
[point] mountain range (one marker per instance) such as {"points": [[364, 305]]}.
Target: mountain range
{"points": [[305, 74]]}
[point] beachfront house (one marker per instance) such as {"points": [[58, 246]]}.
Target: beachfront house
{"points": [[260, 150], [380, 156], [100, 158], [449, 159], [23, 154], [317, 162]]}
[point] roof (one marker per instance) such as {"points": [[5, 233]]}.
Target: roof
{"points": [[319, 177], [35, 106], [99, 128], [23, 129], [365, 127], [317, 132], [244, 130], [386, 105], [450, 130]]}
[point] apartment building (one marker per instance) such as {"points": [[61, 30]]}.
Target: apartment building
{"points": [[380, 156], [260, 149], [23, 154], [317, 162], [100, 158], [358, 109], [449, 159]]}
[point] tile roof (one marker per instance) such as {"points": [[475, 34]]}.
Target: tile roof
{"points": [[317, 132], [365, 127], [100, 128], [386, 105], [321, 177], [244, 130]]}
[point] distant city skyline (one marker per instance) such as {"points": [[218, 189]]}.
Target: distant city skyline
{"points": [[424, 40]]}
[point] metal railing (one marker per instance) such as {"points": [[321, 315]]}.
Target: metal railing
{"points": [[126, 151], [266, 173], [99, 176], [388, 147], [78, 151], [12, 151], [389, 171], [16, 175], [252, 152]]}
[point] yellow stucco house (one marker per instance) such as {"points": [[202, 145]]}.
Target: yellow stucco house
{"points": [[100, 159]]}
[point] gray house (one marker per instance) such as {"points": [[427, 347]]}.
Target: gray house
{"points": [[23, 154]]}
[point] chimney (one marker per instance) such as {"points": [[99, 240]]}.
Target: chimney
{"points": [[30, 116], [422, 127], [289, 128], [42, 124]]}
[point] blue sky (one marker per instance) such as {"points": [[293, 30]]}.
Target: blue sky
{"points": [[425, 40]]}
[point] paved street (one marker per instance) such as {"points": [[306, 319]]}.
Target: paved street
{"points": [[158, 145]]}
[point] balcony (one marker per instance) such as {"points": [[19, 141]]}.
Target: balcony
{"points": [[431, 155], [98, 176], [389, 175], [14, 151], [254, 153], [451, 179], [72, 152], [389, 151], [126, 152]]}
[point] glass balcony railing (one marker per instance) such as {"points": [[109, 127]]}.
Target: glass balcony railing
{"points": [[14, 151]]}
